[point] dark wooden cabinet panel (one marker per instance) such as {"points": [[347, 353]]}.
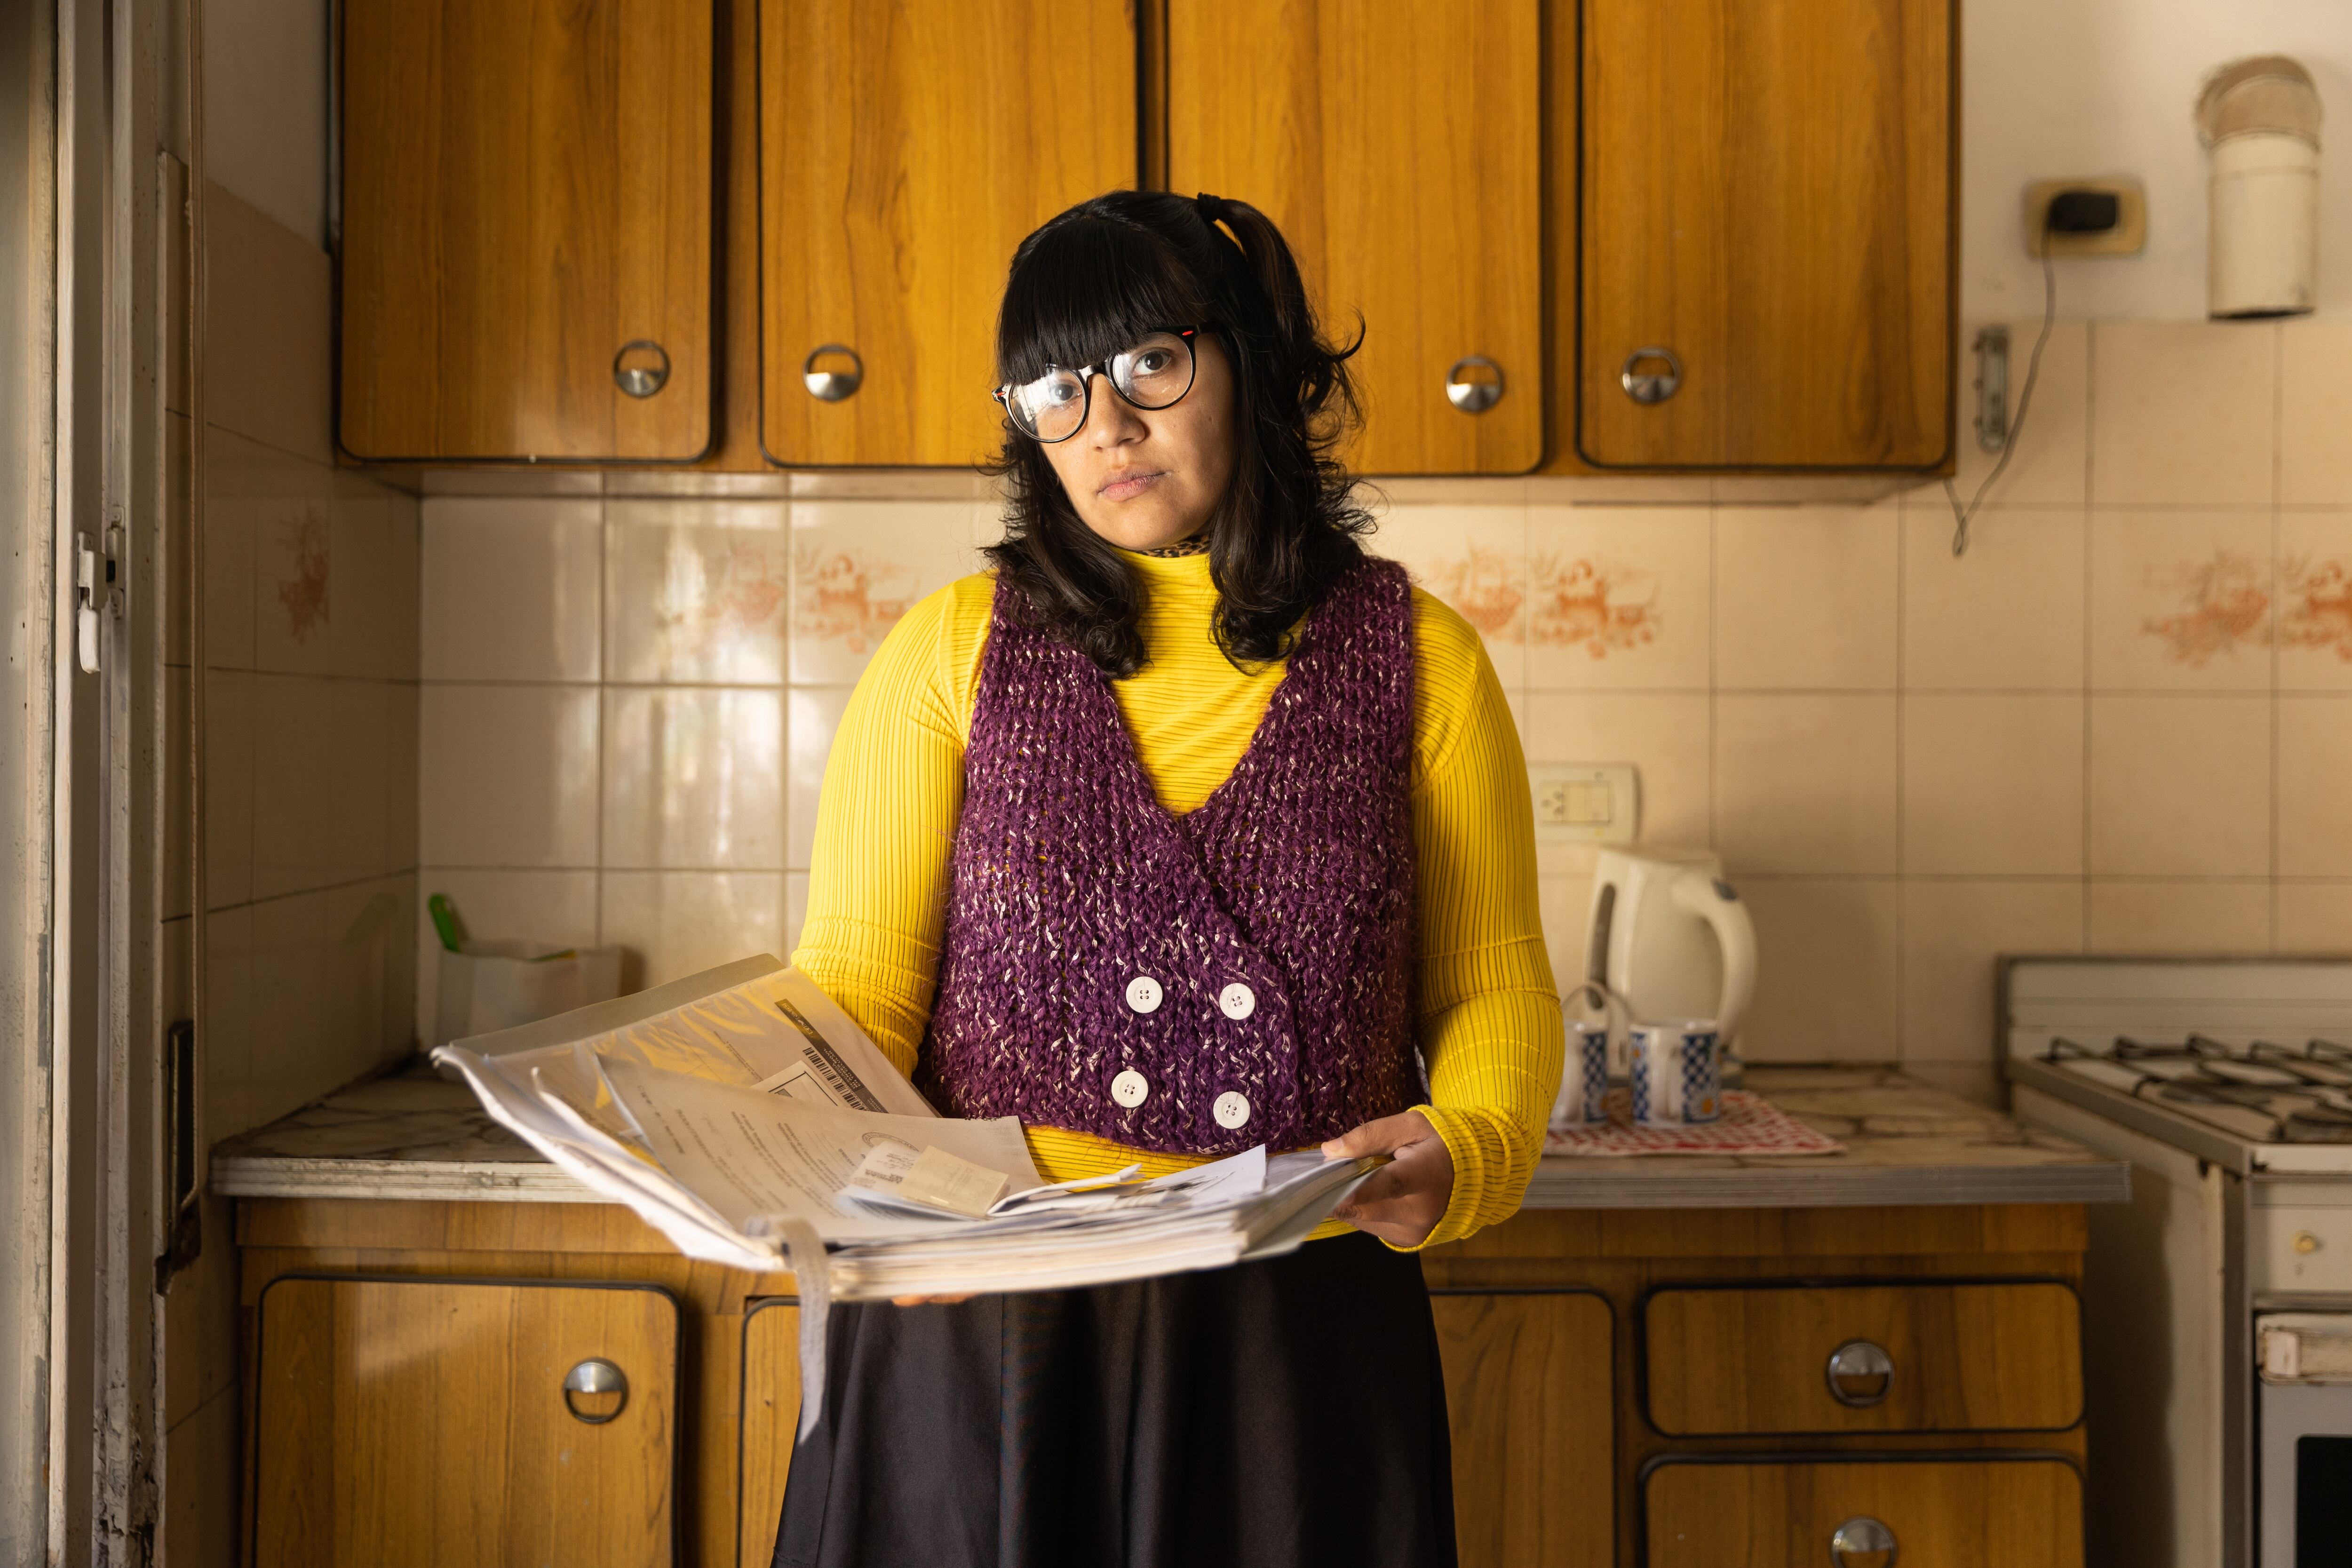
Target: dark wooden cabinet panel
{"points": [[421, 1422], [526, 190], [1528, 1386], [1966, 1514], [904, 150], [1398, 146], [1767, 192], [2001, 1356]]}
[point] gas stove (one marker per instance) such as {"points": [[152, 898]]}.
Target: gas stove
{"points": [[2260, 1090], [2247, 1063], [2228, 1085]]}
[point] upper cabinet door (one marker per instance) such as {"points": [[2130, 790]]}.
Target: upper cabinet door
{"points": [[1767, 198], [526, 248], [1398, 144], [905, 149]]}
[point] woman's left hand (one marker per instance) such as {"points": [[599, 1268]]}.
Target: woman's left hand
{"points": [[1404, 1199]]}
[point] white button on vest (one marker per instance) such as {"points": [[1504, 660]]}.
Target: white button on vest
{"points": [[1231, 1110], [1238, 1001], [1130, 1088], [1143, 993]]}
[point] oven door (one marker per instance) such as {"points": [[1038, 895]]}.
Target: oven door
{"points": [[2304, 1403]]}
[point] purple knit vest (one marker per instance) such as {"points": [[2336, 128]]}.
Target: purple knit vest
{"points": [[1286, 898]]}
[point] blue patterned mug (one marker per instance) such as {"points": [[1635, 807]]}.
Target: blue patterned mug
{"points": [[1584, 1079], [1677, 1073]]}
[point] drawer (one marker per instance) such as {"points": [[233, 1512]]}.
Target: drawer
{"points": [[1925, 1513], [1803, 1359]]}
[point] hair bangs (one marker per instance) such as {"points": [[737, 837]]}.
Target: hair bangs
{"points": [[1083, 290]]}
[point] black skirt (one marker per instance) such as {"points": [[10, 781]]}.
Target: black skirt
{"points": [[1285, 1413]]}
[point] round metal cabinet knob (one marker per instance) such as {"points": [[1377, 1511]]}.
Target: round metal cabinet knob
{"points": [[595, 1391], [641, 368], [1862, 1542], [1475, 383], [1661, 379], [832, 371], [1860, 1373], [2305, 1243]]}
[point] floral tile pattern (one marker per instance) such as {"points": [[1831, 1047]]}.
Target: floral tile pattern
{"points": [[2316, 606], [841, 596], [2222, 605], [1593, 607]]}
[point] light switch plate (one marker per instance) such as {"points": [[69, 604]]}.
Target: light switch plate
{"points": [[1585, 803]]}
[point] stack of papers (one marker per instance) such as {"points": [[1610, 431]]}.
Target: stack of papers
{"points": [[734, 1112]]}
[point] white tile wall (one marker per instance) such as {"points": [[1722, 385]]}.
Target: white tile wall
{"points": [[311, 615], [2118, 722]]}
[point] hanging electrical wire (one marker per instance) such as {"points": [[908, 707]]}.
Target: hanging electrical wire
{"points": [[1961, 518]]}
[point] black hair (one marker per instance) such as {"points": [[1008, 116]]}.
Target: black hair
{"points": [[1088, 284]]}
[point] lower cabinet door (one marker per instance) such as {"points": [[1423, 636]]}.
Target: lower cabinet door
{"points": [[771, 1417], [1925, 1513], [450, 1425], [1527, 1397]]}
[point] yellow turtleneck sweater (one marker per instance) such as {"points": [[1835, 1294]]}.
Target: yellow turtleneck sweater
{"points": [[1490, 1021]]}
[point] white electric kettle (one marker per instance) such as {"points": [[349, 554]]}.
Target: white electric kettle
{"points": [[1670, 938]]}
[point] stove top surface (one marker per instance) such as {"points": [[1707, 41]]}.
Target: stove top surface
{"points": [[2249, 1057], [2267, 1092]]}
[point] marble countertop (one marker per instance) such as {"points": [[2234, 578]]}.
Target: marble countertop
{"points": [[1906, 1143], [412, 1135]]}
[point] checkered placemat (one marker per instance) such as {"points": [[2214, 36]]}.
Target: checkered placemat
{"points": [[1750, 1125]]}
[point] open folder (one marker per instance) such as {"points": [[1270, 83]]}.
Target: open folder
{"points": [[734, 1110]]}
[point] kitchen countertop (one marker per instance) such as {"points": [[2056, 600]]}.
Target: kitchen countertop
{"points": [[412, 1135]]}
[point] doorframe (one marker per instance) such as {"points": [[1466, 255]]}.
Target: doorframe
{"points": [[111, 758]]}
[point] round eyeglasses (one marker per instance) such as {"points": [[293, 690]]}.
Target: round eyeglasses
{"points": [[1154, 374]]}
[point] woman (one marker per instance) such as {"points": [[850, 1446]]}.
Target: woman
{"points": [[1187, 828]]}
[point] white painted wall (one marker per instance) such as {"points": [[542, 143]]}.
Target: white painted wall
{"points": [[2055, 88], [266, 108]]}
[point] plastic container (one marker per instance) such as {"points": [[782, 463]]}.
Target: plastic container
{"points": [[498, 984], [2259, 119]]}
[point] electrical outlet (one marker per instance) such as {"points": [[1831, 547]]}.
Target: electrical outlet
{"points": [[1585, 803], [2129, 238]]}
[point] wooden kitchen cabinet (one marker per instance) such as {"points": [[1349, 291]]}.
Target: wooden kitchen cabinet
{"points": [[422, 1422], [1398, 144], [1528, 1398], [1928, 1513], [1557, 1331], [771, 1413], [525, 261], [904, 150], [1768, 196], [2003, 1355]]}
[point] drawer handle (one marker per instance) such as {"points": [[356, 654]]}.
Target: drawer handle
{"points": [[1475, 383], [1860, 1373], [595, 1391], [1648, 386], [1862, 1542], [641, 368]]}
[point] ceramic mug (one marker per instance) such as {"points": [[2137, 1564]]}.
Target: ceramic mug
{"points": [[1677, 1072], [1584, 1079]]}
